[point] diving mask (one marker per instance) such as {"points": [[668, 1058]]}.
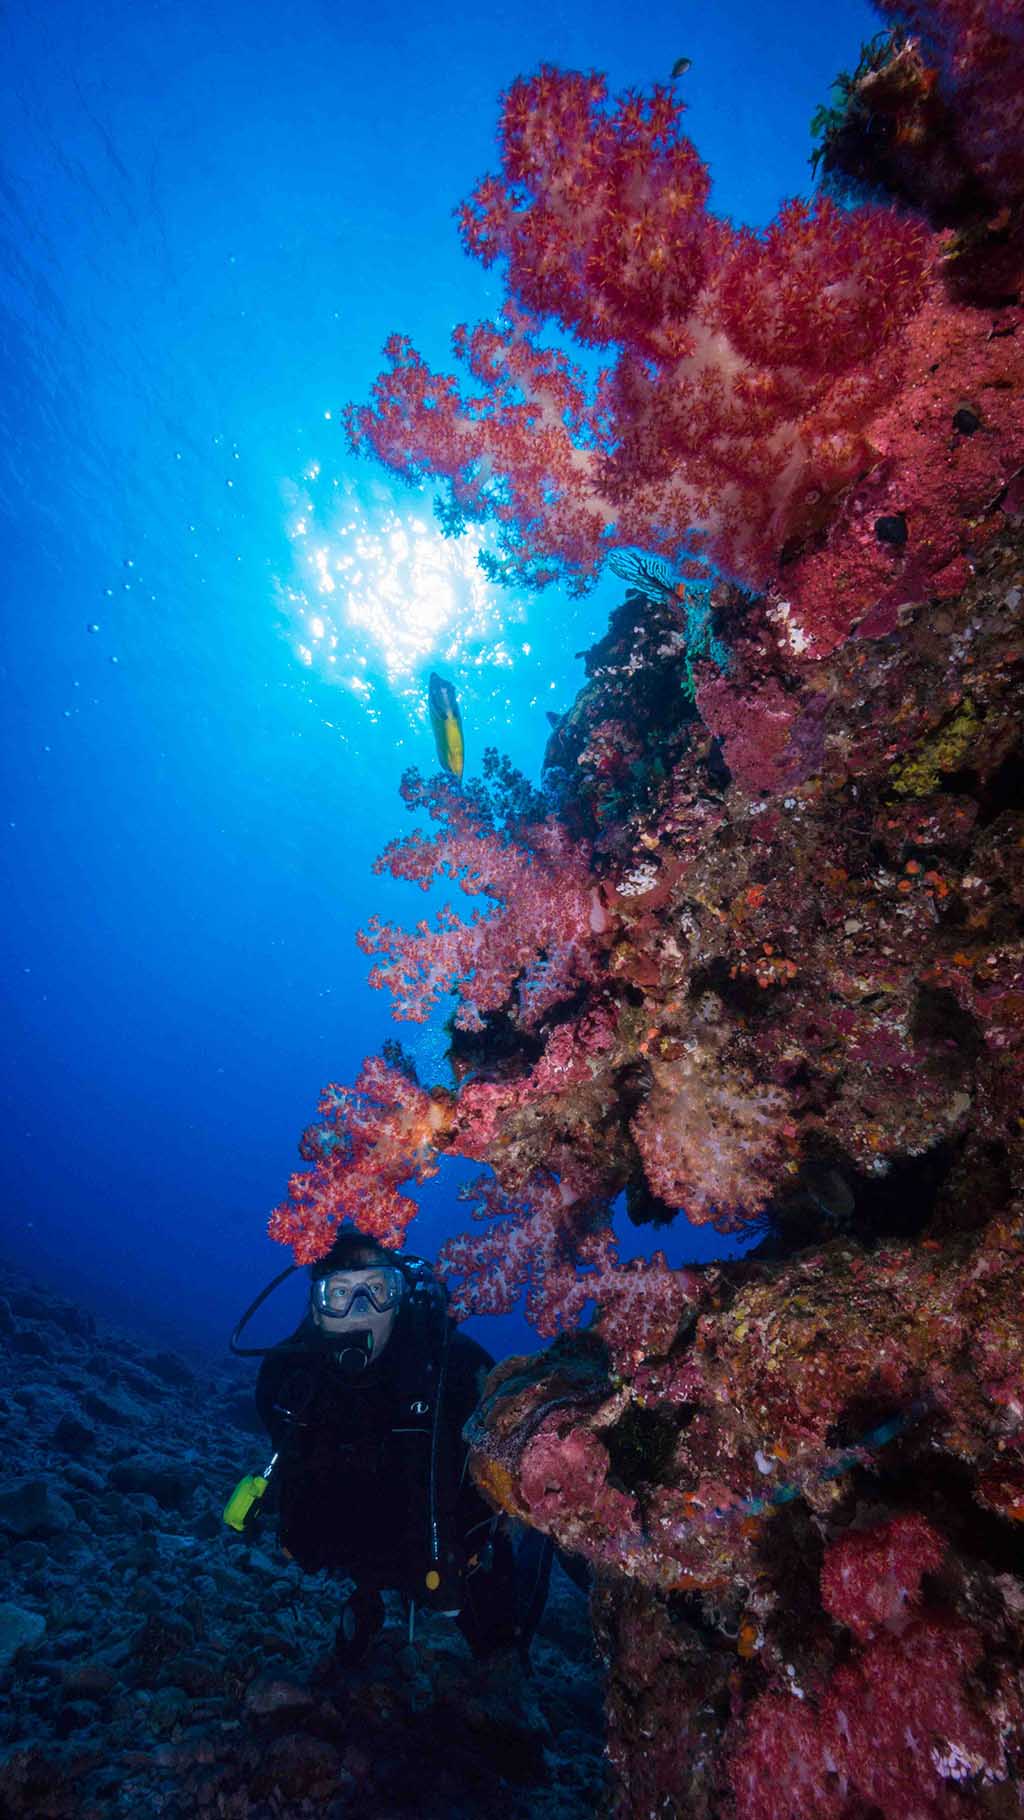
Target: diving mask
{"points": [[337, 1294]]}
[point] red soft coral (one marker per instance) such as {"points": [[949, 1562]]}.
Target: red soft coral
{"points": [[871, 1580], [748, 371], [944, 486], [371, 1139], [897, 1732]]}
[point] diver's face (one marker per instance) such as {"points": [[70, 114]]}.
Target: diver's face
{"points": [[357, 1301]]}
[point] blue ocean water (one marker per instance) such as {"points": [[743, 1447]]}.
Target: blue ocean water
{"points": [[217, 624]]}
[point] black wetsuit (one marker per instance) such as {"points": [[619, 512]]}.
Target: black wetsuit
{"points": [[369, 1485]]}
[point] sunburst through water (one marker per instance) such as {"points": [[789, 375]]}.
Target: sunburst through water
{"points": [[377, 594]]}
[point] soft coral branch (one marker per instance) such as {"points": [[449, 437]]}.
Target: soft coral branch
{"points": [[748, 367], [370, 1141], [552, 1243], [538, 941], [897, 1730]]}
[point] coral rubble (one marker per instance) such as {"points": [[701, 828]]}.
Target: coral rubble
{"points": [[154, 1662]]}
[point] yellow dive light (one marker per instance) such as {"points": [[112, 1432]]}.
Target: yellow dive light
{"points": [[244, 1500]]}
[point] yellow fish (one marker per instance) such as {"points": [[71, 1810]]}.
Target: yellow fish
{"points": [[447, 724]]}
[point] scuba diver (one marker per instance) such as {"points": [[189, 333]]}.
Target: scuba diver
{"points": [[365, 1406]]}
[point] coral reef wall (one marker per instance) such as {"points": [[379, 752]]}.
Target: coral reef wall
{"points": [[816, 976], [757, 952]]}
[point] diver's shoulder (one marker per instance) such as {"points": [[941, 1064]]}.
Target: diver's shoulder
{"points": [[305, 1339], [467, 1354]]}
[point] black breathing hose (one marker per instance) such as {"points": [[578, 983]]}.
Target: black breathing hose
{"points": [[260, 1352]]}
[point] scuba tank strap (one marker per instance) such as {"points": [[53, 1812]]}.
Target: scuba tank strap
{"points": [[435, 1443], [422, 1399]]}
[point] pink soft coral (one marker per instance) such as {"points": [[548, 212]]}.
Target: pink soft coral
{"points": [[372, 1138], [871, 1580], [897, 1733], [551, 1242], [749, 370], [538, 940], [713, 1140]]}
